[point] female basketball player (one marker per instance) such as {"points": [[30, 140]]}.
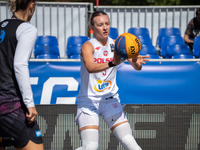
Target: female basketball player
{"points": [[98, 92], [17, 110]]}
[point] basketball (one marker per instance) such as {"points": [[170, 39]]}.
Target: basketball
{"points": [[127, 45]]}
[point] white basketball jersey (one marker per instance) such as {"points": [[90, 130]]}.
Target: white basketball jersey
{"points": [[97, 86]]}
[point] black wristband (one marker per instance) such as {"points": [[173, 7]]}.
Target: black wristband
{"points": [[110, 64]]}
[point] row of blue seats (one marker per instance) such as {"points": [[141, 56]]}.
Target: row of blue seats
{"points": [[46, 47], [169, 40]]}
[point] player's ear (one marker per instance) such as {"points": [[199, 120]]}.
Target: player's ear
{"points": [[91, 27], [32, 7]]}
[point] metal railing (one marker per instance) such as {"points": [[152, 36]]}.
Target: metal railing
{"points": [[151, 17], [67, 19], [57, 19]]}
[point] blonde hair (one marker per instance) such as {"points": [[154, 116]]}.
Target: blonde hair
{"points": [[12, 5]]}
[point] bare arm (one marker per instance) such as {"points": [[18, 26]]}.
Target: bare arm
{"points": [[188, 31], [87, 51], [187, 40]]}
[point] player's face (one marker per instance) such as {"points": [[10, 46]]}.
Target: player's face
{"points": [[101, 26]]}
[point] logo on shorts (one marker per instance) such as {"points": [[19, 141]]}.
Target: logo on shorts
{"points": [[38, 133], [92, 108], [101, 86], [115, 105]]}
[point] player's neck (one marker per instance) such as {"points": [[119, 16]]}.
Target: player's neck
{"points": [[103, 42], [20, 15]]}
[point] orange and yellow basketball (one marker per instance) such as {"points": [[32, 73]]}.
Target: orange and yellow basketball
{"points": [[127, 45]]}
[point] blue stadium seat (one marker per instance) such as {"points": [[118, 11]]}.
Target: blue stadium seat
{"points": [[183, 56], [46, 45], [74, 49], [139, 31], [74, 43], [196, 47], [50, 40], [167, 32], [75, 56], [142, 34], [113, 33], [148, 49], [77, 40], [47, 56], [152, 56], [170, 40], [145, 40], [177, 50]]}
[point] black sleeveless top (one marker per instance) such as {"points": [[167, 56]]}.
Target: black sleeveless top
{"points": [[10, 96]]}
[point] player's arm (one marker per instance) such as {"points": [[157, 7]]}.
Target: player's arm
{"points": [[188, 31], [26, 36], [187, 40], [87, 51], [137, 61]]}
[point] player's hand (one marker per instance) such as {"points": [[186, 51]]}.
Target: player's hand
{"points": [[139, 60], [116, 59], [31, 114]]}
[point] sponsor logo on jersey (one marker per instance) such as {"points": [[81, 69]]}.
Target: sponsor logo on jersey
{"points": [[105, 53], [97, 48], [2, 35], [101, 86], [112, 46], [4, 24], [102, 60], [38, 133]]}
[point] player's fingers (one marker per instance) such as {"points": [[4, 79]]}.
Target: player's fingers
{"points": [[141, 62], [31, 119], [28, 115], [145, 56], [146, 60]]}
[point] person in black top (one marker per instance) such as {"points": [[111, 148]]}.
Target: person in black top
{"points": [[193, 30], [17, 109]]}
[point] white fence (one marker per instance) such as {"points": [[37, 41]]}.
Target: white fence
{"points": [[57, 19], [66, 19], [151, 17]]}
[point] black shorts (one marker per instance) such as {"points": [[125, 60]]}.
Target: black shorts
{"points": [[17, 132]]}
